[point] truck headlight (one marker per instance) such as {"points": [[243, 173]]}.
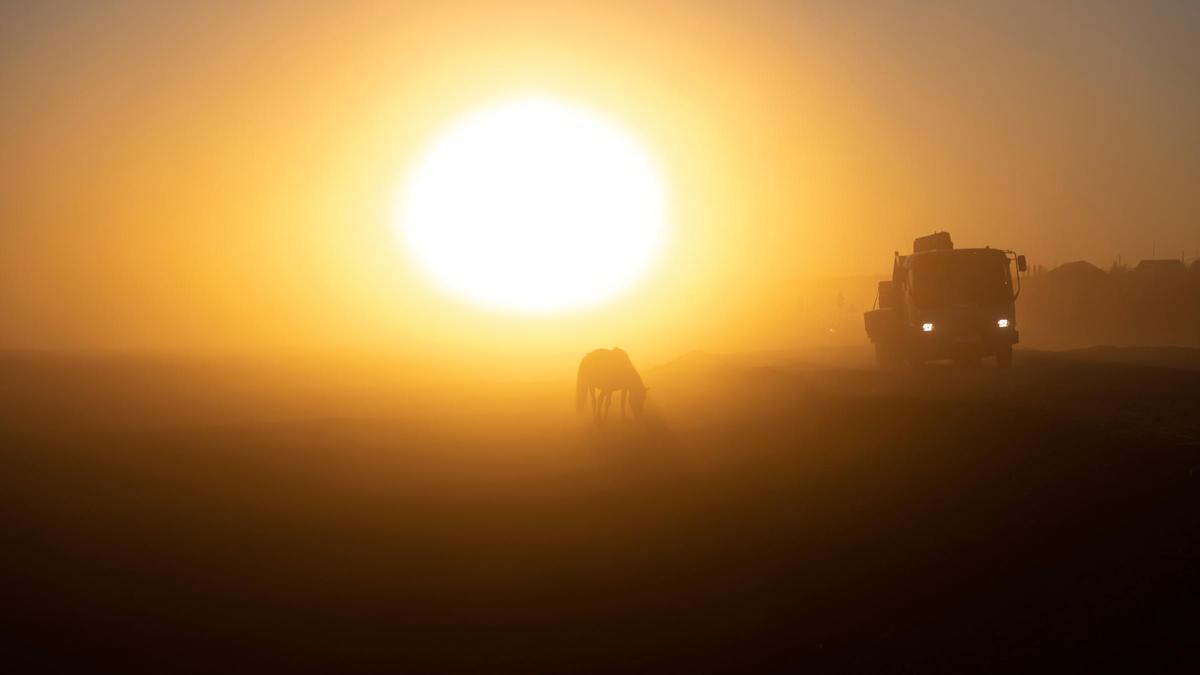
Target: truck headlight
{"points": [[1002, 323], [927, 327]]}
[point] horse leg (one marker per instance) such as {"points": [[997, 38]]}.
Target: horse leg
{"points": [[624, 393], [607, 403], [595, 404]]}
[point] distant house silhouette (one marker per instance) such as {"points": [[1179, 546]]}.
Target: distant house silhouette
{"points": [[1078, 304], [1066, 306], [1167, 269], [1080, 274]]}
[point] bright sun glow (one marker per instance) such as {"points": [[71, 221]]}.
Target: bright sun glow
{"points": [[534, 206]]}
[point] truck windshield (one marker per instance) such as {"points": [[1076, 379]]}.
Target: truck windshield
{"points": [[961, 278]]}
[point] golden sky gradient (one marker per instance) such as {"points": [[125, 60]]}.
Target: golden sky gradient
{"points": [[221, 177]]}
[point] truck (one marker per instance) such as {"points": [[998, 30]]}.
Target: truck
{"points": [[946, 303]]}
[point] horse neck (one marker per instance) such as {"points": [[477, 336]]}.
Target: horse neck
{"points": [[634, 379]]}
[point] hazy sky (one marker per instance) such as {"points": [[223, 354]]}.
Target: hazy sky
{"points": [[214, 175]]}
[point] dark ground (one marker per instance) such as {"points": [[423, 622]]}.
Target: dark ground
{"points": [[767, 515]]}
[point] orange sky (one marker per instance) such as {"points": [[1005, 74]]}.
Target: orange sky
{"points": [[220, 176]]}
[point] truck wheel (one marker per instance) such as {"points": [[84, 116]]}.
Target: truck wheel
{"points": [[1004, 357], [912, 360], [886, 357], [891, 357]]}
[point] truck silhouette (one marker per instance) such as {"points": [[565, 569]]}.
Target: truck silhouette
{"points": [[947, 303]]}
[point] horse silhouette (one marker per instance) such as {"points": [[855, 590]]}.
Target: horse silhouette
{"points": [[603, 372]]}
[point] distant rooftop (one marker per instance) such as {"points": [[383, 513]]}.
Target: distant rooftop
{"points": [[1172, 265], [1077, 268]]}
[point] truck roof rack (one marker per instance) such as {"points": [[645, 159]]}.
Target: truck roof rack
{"points": [[938, 241]]}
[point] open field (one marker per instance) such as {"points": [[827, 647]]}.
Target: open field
{"points": [[772, 510]]}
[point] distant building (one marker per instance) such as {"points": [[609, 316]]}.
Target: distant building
{"points": [[1165, 267], [1078, 274], [1156, 302]]}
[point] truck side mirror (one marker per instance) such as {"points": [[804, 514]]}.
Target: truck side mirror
{"points": [[1021, 265], [887, 295]]}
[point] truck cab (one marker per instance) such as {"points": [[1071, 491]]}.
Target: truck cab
{"points": [[947, 303]]}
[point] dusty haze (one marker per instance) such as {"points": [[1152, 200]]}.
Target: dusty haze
{"points": [[190, 177], [240, 430]]}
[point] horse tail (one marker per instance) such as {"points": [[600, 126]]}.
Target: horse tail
{"points": [[580, 391]]}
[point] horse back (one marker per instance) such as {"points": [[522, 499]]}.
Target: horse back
{"points": [[608, 368]]}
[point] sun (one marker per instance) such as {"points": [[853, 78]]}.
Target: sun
{"points": [[536, 206]]}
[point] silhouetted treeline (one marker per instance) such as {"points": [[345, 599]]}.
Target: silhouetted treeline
{"points": [[1156, 302]]}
